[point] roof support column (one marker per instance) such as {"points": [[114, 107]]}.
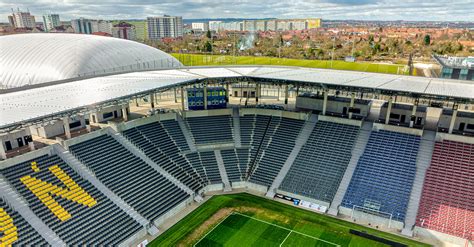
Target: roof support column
{"points": [[257, 92], [351, 105], [136, 102], [3, 153], [125, 113], [152, 101], [182, 98], [278, 93], [286, 94], [453, 118], [175, 97], [31, 145], [413, 113], [227, 92], [389, 109], [205, 96], [325, 101], [67, 130], [88, 123]]}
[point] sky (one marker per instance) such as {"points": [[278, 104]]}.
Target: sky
{"points": [[409, 10]]}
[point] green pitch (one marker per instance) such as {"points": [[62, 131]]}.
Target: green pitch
{"points": [[242, 230], [214, 60], [248, 220]]}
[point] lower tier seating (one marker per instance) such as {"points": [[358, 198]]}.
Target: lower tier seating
{"points": [[384, 175], [157, 144], [322, 161], [77, 212], [447, 201], [277, 144], [205, 164], [142, 187], [232, 165], [15, 231]]}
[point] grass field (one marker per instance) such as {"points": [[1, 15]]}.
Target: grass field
{"points": [[209, 60], [248, 220]]}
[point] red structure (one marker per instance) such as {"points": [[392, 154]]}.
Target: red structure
{"points": [[447, 202]]}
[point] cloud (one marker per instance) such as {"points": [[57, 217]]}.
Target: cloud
{"points": [[430, 10]]}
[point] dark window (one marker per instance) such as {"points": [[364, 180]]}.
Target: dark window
{"points": [[75, 124], [470, 126], [108, 115], [8, 145], [394, 116]]}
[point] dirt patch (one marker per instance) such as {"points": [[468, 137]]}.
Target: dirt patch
{"points": [[205, 227]]}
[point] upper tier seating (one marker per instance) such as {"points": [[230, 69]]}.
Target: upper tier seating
{"points": [[277, 144], [252, 131], [141, 186], [15, 230], [384, 175], [322, 161], [447, 201], [158, 145], [99, 222], [211, 129], [175, 132]]}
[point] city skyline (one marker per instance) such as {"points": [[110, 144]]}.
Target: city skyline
{"points": [[409, 10]]}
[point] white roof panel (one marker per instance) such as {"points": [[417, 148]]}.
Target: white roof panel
{"points": [[30, 104]]}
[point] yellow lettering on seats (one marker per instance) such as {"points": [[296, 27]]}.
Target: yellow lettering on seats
{"points": [[10, 234], [34, 166], [44, 191]]}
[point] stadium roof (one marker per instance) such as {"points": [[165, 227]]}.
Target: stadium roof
{"points": [[35, 58], [36, 104]]}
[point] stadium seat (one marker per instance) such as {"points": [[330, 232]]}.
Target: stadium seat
{"points": [[104, 223], [16, 231], [164, 149], [447, 201], [384, 175], [278, 142], [147, 191], [211, 129], [322, 161]]}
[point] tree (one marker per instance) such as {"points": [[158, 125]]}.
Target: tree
{"points": [[208, 46], [208, 34], [427, 39]]}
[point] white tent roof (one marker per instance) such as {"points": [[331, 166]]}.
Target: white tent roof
{"points": [[35, 58], [37, 103]]}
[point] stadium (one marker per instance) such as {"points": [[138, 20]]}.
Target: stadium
{"points": [[109, 142]]}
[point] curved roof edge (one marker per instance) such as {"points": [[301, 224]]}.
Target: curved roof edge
{"points": [[35, 58]]}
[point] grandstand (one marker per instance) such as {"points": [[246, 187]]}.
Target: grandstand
{"points": [[110, 160]]}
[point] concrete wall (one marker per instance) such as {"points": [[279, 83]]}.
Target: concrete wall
{"points": [[440, 239], [333, 106], [98, 116], [205, 113], [145, 120], [400, 112], [84, 137], [326, 204], [450, 137], [340, 120], [277, 113], [27, 156], [372, 219], [12, 137], [445, 120], [399, 129]]}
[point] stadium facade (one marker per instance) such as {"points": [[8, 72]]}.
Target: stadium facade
{"points": [[353, 144]]}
